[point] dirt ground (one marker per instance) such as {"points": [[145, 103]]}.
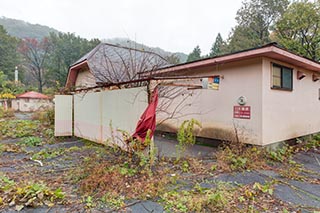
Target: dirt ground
{"points": [[57, 164]]}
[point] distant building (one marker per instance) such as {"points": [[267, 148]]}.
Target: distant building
{"points": [[30, 102]]}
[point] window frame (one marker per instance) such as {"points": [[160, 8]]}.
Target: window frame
{"points": [[281, 77]]}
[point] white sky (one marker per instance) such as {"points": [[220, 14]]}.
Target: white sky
{"points": [[173, 25]]}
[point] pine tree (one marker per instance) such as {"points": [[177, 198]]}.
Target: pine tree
{"points": [[218, 47], [195, 54], [9, 57]]}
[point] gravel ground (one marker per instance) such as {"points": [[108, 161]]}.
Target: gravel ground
{"points": [[300, 193]]}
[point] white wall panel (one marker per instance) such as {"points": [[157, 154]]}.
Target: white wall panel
{"points": [[121, 111], [87, 116], [63, 115], [97, 114]]}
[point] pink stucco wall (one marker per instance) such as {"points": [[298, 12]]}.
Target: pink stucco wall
{"points": [[276, 115], [289, 114], [214, 108]]}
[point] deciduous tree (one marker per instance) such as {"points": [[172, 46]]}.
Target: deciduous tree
{"points": [[299, 29], [35, 54]]}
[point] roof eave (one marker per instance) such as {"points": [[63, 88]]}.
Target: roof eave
{"points": [[266, 51], [72, 75]]}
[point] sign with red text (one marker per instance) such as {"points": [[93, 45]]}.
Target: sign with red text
{"points": [[242, 112]]}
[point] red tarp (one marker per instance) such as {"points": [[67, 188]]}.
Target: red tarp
{"points": [[148, 119]]}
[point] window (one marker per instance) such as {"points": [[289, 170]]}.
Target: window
{"points": [[281, 77]]}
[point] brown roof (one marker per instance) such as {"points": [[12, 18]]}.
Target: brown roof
{"points": [[112, 63], [32, 94], [271, 50]]}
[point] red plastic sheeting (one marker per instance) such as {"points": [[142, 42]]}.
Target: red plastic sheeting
{"points": [[148, 119]]}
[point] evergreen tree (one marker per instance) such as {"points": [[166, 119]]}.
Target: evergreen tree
{"points": [[195, 54], [218, 48], [172, 59], [254, 21], [9, 57], [67, 48]]}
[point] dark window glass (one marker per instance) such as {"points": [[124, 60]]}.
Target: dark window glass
{"points": [[287, 78], [281, 77]]}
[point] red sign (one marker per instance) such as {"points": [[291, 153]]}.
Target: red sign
{"points": [[243, 112]]}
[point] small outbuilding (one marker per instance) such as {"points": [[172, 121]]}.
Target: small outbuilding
{"points": [[258, 96], [31, 101]]}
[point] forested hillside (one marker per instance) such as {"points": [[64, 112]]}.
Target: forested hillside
{"points": [[43, 55], [22, 29]]}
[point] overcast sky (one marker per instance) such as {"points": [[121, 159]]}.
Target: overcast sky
{"points": [[173, 25]]}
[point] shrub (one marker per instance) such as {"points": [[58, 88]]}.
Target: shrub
{"points": [[6, 113], [186, 134], [46, 116]]}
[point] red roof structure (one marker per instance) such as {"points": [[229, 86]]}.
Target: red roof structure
{"points": [[32, 94]]}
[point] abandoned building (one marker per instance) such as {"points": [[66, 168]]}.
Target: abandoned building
{"points": [[263, 95], [31, 101]]}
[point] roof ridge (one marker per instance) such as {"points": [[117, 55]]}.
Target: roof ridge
{"points": [[134, 49]]}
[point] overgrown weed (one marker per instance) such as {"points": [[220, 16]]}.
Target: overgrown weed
{"points": [[9, 113], [107, 179], [236, 156], [27, 194], [19, 128], [46, 116]]}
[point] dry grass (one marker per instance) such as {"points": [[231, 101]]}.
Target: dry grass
{"points": [[120, 177]]}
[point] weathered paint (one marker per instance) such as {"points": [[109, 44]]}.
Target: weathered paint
{"points": [[63, 115], [122, 110], [30, 104], [85, 79], [103, 116], [289, 114], [276, 115], [214, 108], [87, 116]]}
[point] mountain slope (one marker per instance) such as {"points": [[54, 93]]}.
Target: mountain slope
{"points": [[22, 29], [132, 44]]}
